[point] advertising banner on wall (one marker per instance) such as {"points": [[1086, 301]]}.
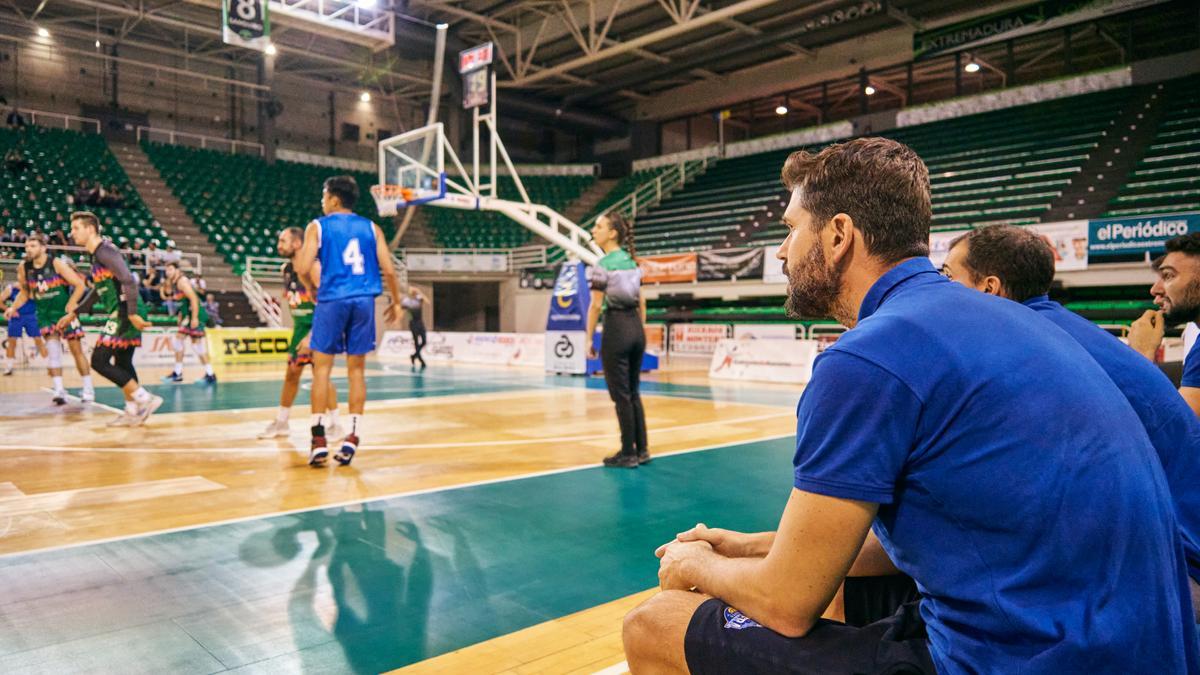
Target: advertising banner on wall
{"points": [[565, 346], [668, 269], [697, 338], [772, 267], [1068, 240], [248, 345], [498, 349], [1023, 20], [1116, 236], [656, 339], [729, 264], [766, 331], [763, 360]]}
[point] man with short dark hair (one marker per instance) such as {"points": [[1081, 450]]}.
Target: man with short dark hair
{"points": [[1015, 263], [993, 459], [115, 290], [354, 263], [1177, 294]]}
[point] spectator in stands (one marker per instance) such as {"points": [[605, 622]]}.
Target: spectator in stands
{"points": [[200, 284], [1014, 263], [149, 289], [58, 238], [957, 437], [14, 120], [154, 257], [15, 161], [113, 198], [19, 236], [1177, 294], [171, 255], [213, 308], [166, 292]]}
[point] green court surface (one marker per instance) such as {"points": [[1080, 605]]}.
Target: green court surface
{"points": [[378, 585], [403, 384]]}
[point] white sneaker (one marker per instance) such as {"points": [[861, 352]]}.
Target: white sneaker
{"points": [[335, 433], [276, 429], [8, 368], [88, 396], [146, 409], [124, 420]]}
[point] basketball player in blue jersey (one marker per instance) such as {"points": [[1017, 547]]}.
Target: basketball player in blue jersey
{"points": [[355, 260]]}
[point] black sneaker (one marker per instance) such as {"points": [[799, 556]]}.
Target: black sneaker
{"points": [[644, 458], [621, 461]]}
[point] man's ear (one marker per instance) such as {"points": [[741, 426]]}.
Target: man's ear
{"points": [[843, 235], [993, 286]]}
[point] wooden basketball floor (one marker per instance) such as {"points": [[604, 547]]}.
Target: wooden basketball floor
{"points": [[474, 533]]}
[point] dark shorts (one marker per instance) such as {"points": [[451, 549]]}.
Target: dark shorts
{"points": [[23, 326], [721, 639], [344, 326], [871, 599]]}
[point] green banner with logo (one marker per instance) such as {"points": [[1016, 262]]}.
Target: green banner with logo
{"points": [[1024, 20], [246, 23]]}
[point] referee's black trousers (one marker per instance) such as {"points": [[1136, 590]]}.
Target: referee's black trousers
{"points": [[621, 348]]}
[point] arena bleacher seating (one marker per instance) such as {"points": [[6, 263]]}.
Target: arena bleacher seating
{"points": [[36, 199], [1167, 178], [978, 176], [241, 202], [456, 228]]}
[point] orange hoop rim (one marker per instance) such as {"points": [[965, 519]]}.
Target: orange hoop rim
{"points": [[393, 192]]}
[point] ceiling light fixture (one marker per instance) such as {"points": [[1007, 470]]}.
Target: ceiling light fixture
{"points": [[971, 67], [781, 110], [869, 91], [42, 32], [271, 49], [365, 97]]}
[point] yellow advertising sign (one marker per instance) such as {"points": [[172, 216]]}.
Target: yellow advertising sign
{"points": [[245, 345]]}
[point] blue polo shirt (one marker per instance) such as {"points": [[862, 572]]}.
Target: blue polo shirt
{"points": [[1173, 428], [1015, 484], [1191, 366]]}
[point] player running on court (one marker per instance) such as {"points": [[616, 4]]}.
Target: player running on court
{"points": [[191, 325], [300, 301], [116, 296], [354, 260], [54, 288]]}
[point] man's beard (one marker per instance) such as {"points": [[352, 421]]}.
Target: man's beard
{"points": [[813, 288], [1187, 308]]}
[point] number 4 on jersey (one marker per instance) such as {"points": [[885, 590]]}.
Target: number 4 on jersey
{"points": [[352, 257]]}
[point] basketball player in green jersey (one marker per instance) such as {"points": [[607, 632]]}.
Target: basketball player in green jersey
{"points": [[55, 288], [299, 293], [191, 325], [116, 294]]}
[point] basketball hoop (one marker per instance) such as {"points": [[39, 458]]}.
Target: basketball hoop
{"points": [[390, 198]]}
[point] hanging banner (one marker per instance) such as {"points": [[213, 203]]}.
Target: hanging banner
{"points": [[1024, 20], [566, 345], [729, 264], [1068, 240], [246, 23], [668, 269], [787, 361], [1116, 236]]}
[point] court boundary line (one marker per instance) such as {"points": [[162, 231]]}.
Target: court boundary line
{"points": [[380, 498], [130, 450]]}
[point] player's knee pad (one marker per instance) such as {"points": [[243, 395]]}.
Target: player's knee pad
{"points": [[200, 347], [177, 344], [54, 353]]}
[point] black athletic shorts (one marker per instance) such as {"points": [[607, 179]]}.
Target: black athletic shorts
{"points": [[722, 640], [871, 599]]}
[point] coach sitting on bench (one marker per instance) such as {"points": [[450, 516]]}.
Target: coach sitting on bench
{"points": [[999, 465], [1015, 263]]}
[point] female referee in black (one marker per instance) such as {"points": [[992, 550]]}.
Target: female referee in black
{"points": [[616, 289]]}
